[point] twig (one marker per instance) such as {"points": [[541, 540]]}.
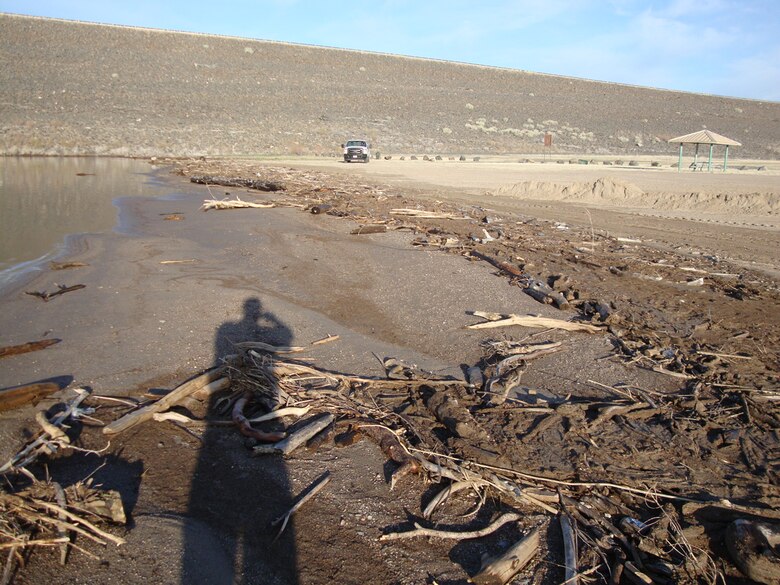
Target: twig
{"points": [[725, 355], [62, 501], [420, 531], [8, 570], [313, 489]]}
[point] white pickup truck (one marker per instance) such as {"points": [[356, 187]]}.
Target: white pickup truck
{"points": [[354, 150]]}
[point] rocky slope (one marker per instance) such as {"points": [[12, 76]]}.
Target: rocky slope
{"points": [[78, 88]]}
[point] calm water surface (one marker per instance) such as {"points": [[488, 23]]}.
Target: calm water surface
{"points": [[45, 199]]}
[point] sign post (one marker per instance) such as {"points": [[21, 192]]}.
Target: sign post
{"points": [[547, 144]]}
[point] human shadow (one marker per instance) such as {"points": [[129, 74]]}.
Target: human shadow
{"points": [[236, 496]]}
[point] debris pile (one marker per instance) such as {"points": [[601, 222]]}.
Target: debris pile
{"points": [[609, 484]]}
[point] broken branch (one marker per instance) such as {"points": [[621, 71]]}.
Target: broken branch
{"points": [[420, 531]]}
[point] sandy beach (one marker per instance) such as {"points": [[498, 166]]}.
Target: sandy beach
{"points": [[170, 300]]}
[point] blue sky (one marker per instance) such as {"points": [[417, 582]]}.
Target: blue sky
{"points": [[723, 47]]}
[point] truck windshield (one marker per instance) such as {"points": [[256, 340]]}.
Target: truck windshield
{"points": [[356, 143]]}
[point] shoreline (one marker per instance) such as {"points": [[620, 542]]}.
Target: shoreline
{"points": [[166, 304]]}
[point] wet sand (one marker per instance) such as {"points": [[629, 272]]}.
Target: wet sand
{"points": [[154, 300]]}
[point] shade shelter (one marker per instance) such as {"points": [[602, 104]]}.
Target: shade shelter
{"points": [[704, 137]]}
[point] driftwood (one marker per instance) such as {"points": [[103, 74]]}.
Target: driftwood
{"points": [[532, 287], [255, 184], [393, 449], [543, 293], [444, 405], [310, 492], [30, 394], [569, 549], [61, 290], [34, 508], [510, 269], [45, 442], [145, 413], [177, 417], [500, 569], [27, 347], [212, 388], [209, 204], [422, 214], [290, 369], [369, 229], [62, 502], [296, 439], [245, 427], [66, 265], [444, 495], [320, 208], [453, 535], [499, 320]]}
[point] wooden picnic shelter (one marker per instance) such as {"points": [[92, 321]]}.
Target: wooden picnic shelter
{"points": [[704, 137]]}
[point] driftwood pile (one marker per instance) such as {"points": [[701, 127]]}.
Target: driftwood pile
{"points": [[638, 473], [623, 513], [41, 513]]}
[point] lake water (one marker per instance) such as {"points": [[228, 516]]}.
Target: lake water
{"points": [[45, 199]]}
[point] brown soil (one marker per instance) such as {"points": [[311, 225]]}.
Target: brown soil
{"points": [[80, 89], [692, 366]]}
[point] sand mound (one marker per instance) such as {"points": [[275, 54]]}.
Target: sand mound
{"points": [[606, 191]]}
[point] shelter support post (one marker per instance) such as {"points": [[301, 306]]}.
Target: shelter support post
{"points": [[726, 159], [696, 157], [679, 160], [709, 161]]}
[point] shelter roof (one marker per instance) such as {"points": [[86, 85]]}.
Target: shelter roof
{"points": [[705, 137]]}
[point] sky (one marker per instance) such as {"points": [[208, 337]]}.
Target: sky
{"points": [[723, 47]]}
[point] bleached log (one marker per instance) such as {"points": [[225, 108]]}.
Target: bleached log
{"points": [[296, 439], [176, 417], [497, 320], [500, 569], [297, 411], [234, 204], [164, 403], [451, 535], [211, 388], [422, 214]]}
